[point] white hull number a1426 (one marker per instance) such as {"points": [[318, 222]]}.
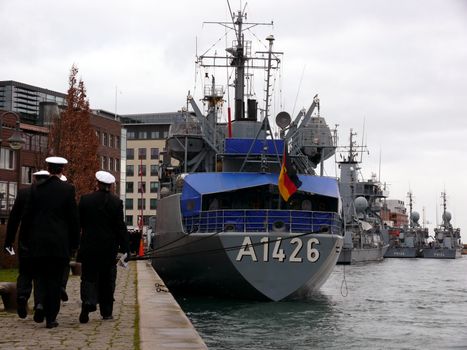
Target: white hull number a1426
{"points": [[261, 250]]}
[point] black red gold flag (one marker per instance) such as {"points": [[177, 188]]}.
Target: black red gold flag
{"points": [[288, 180]]}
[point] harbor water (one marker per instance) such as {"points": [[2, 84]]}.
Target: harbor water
{"points": [[393, 304]]}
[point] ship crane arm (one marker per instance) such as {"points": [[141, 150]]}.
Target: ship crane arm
{"points": [[294, 127]]}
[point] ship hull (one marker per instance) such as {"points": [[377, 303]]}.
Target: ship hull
{"points": [[403, 252], [361, 255], [442, 253], [248, 265]]}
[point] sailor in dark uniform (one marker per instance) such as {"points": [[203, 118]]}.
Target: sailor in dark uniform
{"points": [[52, 218], [103, 234], [25, 270]]}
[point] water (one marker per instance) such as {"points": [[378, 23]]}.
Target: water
{"points": [[394, 304]]}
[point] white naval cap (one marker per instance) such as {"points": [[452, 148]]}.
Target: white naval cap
{"points": [[63, 177], [105, 177], [41, 173], [56, 160]]}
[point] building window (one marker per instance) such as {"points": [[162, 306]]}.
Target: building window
{"points": [[141, 170], [153, 186], [111, 164], [165, 134], [117, 142], [130, 170], [141, 153], [105, 139], [141, 200], [154, 170], [141, 187], [154, 153], [111, 140], [104, 163], [129, 203], [7, 194], [152, 203], [26, 174], [7, 159], [129, 220], [117, 164], [129, 187], [130, 153]]}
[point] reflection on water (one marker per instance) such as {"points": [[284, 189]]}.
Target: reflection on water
{"points": [[395, 304]]}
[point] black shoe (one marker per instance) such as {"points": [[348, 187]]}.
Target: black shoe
{"points": [[84, 315], [63, 295], [110, 317], [22, 308], [51, 324], [39, 314]]}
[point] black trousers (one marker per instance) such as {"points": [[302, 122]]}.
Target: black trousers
{"points": [[49, 275], [98, 285], [25, 277]]}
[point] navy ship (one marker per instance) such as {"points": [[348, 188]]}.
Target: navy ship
{"points": [[244, 213], [447, 241], [363, 227], [408, 242]]}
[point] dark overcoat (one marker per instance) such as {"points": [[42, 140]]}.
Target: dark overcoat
{"points": [[103, 231], [52, 219]]}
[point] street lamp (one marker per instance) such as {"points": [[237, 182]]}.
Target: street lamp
{"points": [[15, 141]]}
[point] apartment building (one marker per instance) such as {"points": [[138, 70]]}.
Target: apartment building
{"points": [[145, 135]]}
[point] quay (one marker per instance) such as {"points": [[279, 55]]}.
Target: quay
{"points": [[146, 317]]}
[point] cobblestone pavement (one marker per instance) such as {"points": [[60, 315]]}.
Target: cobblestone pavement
{"points": [[25, 334]]}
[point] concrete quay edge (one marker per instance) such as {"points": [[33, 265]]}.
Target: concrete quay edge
{"points": [[162, 323]]}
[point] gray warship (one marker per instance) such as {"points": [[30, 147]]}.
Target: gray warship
{"points": [[363, 227], [222, 228], [447, 240], [408, 242]]}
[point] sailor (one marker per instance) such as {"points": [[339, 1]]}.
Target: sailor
{"points": [[52, 217], [25, 270], [103, 234]]}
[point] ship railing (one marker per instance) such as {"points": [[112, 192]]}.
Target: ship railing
{"points": [[292, 221]]}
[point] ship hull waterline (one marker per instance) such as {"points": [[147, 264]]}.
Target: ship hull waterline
{"points": [[361, 255], [247, 265]]}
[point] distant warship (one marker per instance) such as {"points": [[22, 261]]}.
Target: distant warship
{"points": [[363, 227], [408, 242], [447, 241]]}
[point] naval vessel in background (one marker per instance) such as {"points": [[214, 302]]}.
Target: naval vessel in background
{"points": [[222, 227], [361, 201], [447, 241], [408, 242]]}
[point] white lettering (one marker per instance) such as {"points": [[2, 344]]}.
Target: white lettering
{"points": [[265, 241], [278, 252], [247, 249], [299, 243], [312, 252]]}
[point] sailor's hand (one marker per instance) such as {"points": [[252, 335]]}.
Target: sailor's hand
{"points": [[9, 249]]}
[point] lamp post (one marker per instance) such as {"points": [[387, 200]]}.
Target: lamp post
{"points": [[15, 141]]}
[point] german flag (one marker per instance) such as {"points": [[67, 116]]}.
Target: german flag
{"points": [[288, 179]]}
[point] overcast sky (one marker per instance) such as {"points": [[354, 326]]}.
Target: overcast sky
{"points": [[398, 67]]}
